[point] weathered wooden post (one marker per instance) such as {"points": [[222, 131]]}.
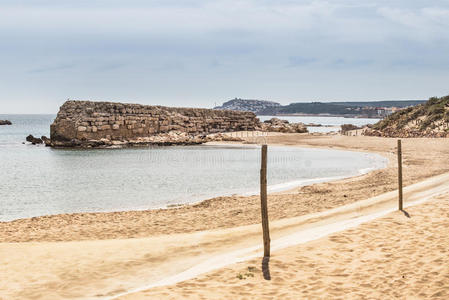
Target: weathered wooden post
{"points": [[400, 173], [263, 203]]}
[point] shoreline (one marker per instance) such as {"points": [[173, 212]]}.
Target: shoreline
{"points": [[278, 188], [231, 211], [207, 212], [323, 115]]}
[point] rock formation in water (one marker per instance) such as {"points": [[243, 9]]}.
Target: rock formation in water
{"points": [[430, 119], [278, 125], [99, 124], [46, 140], [34, 140], [5, 122]]}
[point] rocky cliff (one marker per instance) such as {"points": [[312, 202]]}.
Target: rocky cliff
{"points": [[95, 124], [430, 119]]}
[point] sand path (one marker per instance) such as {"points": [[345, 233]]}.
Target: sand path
{"points": [[109, 268]]}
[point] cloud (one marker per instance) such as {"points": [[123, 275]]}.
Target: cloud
{"points": [[59, 67], [109, 66], [295, 61], [212, 49], [425, 24]]}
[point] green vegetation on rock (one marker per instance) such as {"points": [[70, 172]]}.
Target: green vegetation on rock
{"points": [[430, 119]]}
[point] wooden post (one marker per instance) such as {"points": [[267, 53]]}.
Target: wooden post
{"points": [[263, 203], [400, 173]]}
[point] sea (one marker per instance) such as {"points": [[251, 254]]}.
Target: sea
{"points": [[329, 124], [36, 180]]}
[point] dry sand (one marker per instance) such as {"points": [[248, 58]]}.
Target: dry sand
{"points": [[394, 257], [109, 253]]}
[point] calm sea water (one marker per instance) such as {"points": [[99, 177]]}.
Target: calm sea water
{"points": [[37, 180], [335, 122]]}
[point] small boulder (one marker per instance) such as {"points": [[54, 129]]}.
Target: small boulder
{"points": [[5, 122], [34, 140]]}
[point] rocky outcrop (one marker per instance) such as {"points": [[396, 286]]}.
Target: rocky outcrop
{"points": [[46, 140], [5, 122], [99, 124], [430, 119], [34, 140], [278, 125]]}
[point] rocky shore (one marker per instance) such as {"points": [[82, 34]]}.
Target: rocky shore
{"points": [[278, 125], [165, 139]]}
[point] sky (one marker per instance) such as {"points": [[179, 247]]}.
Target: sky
{"points": [[201, 53]]}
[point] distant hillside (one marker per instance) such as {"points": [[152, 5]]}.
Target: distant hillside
{"points": [[255, 106], [315, 108], [369, 109], [360, 109], [386, 103], [430, 119]]}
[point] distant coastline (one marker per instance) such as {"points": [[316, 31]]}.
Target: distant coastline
{"points": [[324, 115], [349, 109]]}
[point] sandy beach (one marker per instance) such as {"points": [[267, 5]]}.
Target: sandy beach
{"points": [[98, 255], [229, 149], [394, 257]]}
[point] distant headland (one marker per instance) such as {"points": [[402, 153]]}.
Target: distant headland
{"points": [[369, 109]]}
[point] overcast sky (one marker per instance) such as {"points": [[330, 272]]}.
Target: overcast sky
{"points": [[197, 53]]}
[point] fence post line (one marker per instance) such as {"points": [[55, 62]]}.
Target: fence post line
{"points": [[263, 203], [400, 174]]}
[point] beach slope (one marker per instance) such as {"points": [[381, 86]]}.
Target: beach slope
{"points": [[398, 256]]}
